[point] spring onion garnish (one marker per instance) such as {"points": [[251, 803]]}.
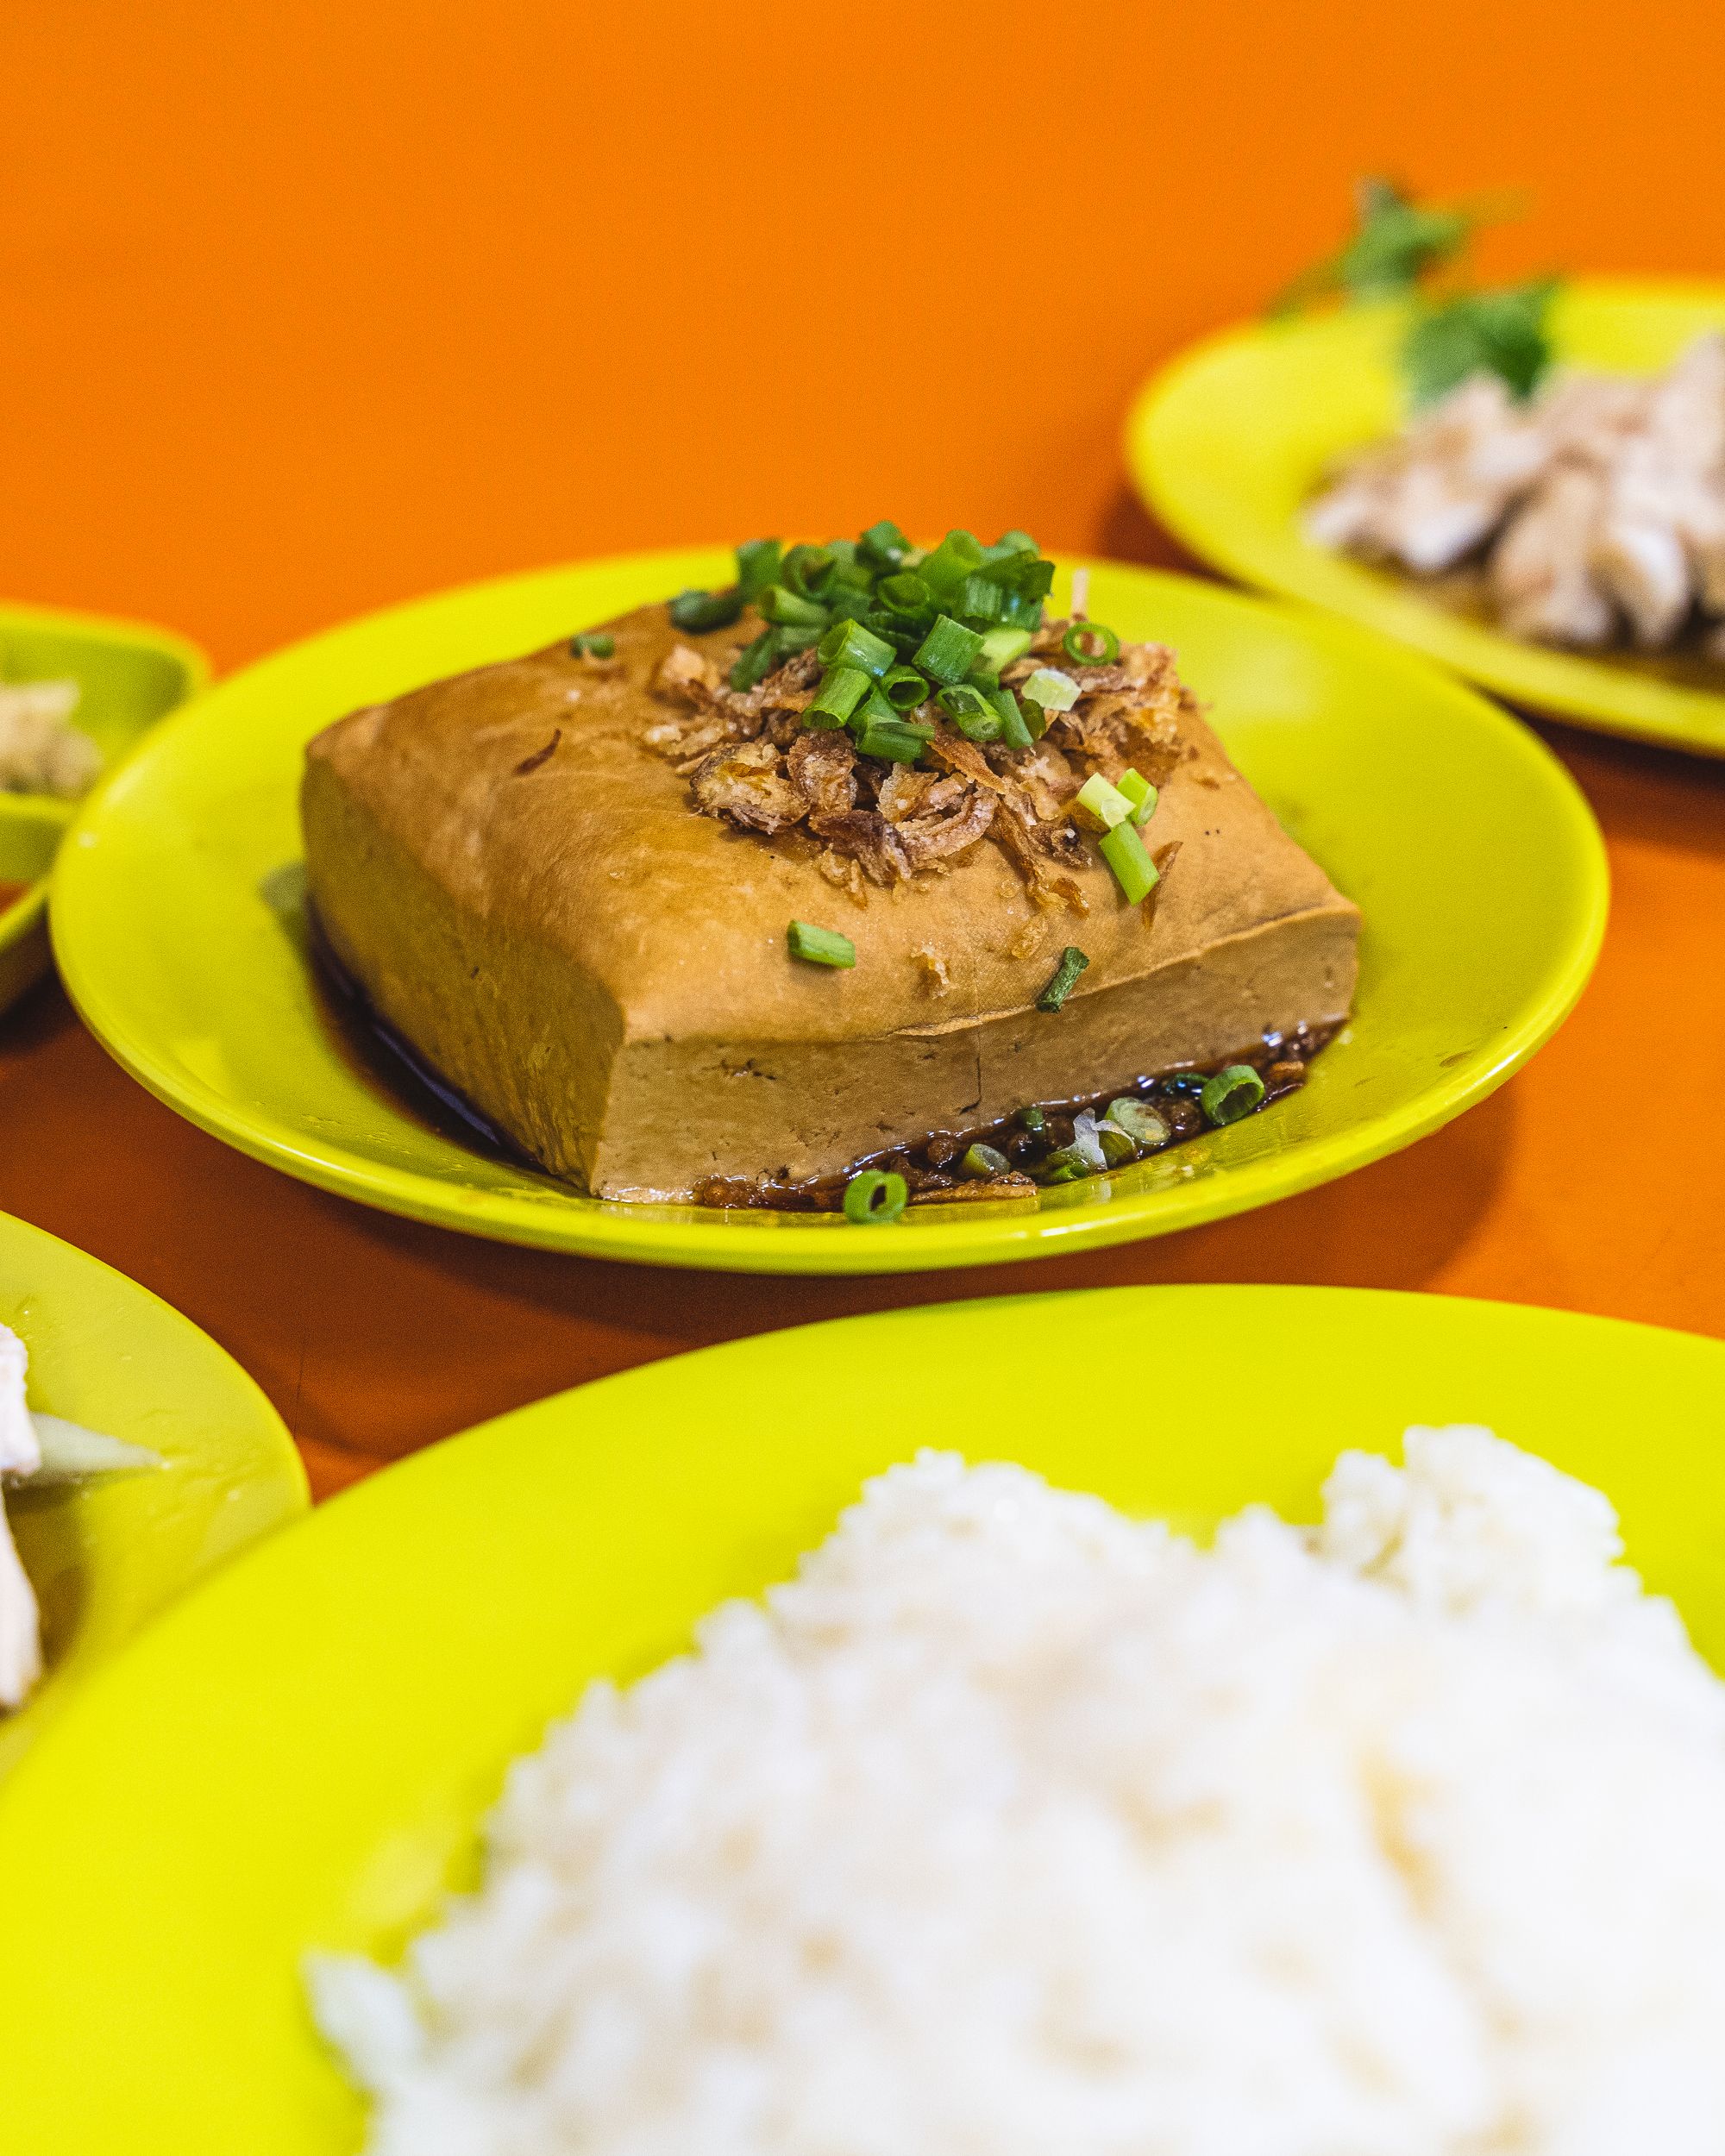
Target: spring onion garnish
{"points": [[1134, 870], [907, 595], [1099, 806], [1014, 728], [779, 603], [1002, 646], [892, 739], [848, 643], [757, 659], [1232, 1094], [883, 545], [949, 650], [1087, 643], [808, 570], [1117, 1145], [842, 689], [1064, 1165], [699, 611], [980, 1161], [592, 647], [950, 563], [904, 688], [1140, 1122], [1052, 690], [757, 566], [1033, 1119], [874, 1198], [1063, 979], [1141, 793], [819, 946]]}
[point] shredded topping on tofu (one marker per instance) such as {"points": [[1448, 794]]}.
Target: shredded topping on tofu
{"points": [[752, 761]]}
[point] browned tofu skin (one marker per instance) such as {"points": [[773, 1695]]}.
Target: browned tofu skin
{"points": [[524, 892]]}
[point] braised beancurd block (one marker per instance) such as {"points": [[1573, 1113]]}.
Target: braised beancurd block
{"points": [[568, 882]]}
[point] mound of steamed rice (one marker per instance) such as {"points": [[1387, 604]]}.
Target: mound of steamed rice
{"points": [[1013, 1827]]}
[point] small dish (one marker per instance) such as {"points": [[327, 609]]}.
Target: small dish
{"points": [[106, 1554], [309, 1743], [129, 676], [1228, 443], [179, 926]]}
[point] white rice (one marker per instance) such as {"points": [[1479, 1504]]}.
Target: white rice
{"points": [[1016, 1827]]}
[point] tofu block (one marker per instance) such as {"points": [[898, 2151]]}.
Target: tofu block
{"points": [[523, 889]]}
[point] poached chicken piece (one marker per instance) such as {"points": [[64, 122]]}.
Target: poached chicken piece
{"points": [[1598, 507]]}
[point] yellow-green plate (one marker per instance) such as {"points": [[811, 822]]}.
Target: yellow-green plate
{"points": [[106, 1554], [298, 1756], [178, 923], [1228, 443], [129, 676]]}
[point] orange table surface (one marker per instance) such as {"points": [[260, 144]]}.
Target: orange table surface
{"points": [[312, 308]]}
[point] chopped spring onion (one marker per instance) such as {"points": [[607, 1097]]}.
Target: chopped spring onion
{"points": [[905, 594], [842, 689], [874, 1198], [1140, 1122], [1066, 1164], [592, 647], [1054, 691], [952, 561], [891, 739], [1141, 793], [848, 643], [779, 603], [1134, 870], [1089, 644], [819, 946], [883, 544], [1063, 979], [1232, 1094], [1002, 646], [757, 565], [873, 707], [904, 688], [698, 612], [755, 661], [980, 1161], [1012, 541], [1117, 1145], [949, 650], [1033, 1119], [808, 570], [1099, 806], [1015, 732]]}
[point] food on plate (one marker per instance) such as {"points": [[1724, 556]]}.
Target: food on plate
{"points": [[1590, 514], [1012, 1824], [40, 750], [39, 1448], [861, 867]]}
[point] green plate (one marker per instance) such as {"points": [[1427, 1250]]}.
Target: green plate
{"points": [[179, 928], [1228, 443], [130, 675], [106, 1555], [298, 1756]]}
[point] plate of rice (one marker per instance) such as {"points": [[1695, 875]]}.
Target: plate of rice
{"points": [[1187, 1720]]}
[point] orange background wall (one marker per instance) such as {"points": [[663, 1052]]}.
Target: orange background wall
{"points": [[309, 307]]}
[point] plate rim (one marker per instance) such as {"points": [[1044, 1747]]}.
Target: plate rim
{"points": [[618, 1232], [1560, 684]]}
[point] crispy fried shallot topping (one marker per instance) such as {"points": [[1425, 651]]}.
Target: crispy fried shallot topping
{"points": [[753, 762]]}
